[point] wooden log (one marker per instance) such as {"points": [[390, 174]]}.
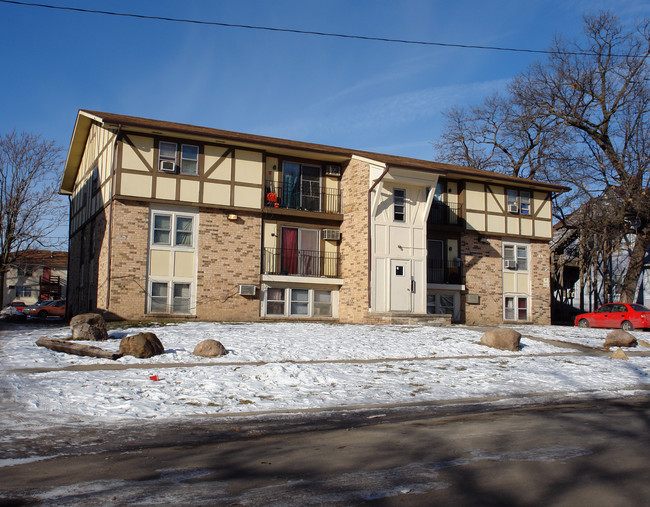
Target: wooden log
{"points": [[77, 349]]}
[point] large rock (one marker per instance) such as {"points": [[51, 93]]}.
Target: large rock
{"points": [[619, 354], [88, 326], [620, 338], [141, 345], [210, 348], [504, 339]]}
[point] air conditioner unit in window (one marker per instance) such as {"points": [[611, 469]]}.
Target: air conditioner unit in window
{"points": [[246, 290], [513, 208], [510, 264], [168, 166], [333, 170], [331, 234]]}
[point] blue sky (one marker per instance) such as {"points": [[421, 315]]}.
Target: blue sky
{"points": [[366, 95]]}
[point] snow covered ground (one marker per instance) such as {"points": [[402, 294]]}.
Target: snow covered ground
{"points": [[276, 367]]}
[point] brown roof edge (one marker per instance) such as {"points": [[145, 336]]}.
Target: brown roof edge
{"points": [[226, 135]]}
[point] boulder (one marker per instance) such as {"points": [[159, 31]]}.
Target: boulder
{"points": [[644, 343], [88, 326], [504, 339], [620, 338], [142, 345], [619, 354], [210, 348]]}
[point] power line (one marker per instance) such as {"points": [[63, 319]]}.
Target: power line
{"points": [[302, 32]]}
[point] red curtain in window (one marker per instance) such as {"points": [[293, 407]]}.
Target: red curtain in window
{"points": [[289, 250]]}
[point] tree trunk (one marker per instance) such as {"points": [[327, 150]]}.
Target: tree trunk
{"points": [[635, 267], [77, 349]]}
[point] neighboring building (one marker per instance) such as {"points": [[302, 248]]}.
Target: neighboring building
{"points": [[173, 219], [36, 275], [583, 286]]}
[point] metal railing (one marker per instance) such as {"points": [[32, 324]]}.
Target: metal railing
{"points": [[307, 196], [282, 261], [444, 214], [444, 272]]}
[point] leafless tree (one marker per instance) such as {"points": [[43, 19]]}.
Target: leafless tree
{"points": [[30, 207], [599, 90], [580, 117], [501, 135]]}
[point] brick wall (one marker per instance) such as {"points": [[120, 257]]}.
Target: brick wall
{"points": [[129, 259], [484, 277], [354, 299], [228, 255]]}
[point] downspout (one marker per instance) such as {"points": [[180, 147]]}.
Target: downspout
{"points": [[67, 282], [376, 182], [110, 222]]}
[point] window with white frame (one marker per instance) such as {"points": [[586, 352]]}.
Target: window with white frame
{"points": [[23, 291], [516, 298], [166, 226], [399, 205], [172, 273], [170, 297], [169, 158], [301, 302]]}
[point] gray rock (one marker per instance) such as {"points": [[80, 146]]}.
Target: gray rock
{"points": [[142, 345], [210, 348], [88, 326], [620, 338], [503, 339]]}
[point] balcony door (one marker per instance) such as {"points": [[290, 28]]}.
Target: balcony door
{"points": [[301, 186], [300, 251], [436, 261]]}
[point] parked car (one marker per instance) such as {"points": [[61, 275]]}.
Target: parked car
{"points": [[18, 305], [623, 315], [13, 312], [50, 308]]}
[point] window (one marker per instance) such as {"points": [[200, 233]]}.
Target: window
{"points": [[302, 302], [399, 205], [515, 257], [524, 203], [23, 291], [300, 253], [158, 302], [162, 226], [189, 159], [181, 302], [441, 304], [322, 303], [275, 301], [162, 229], [159, 298], [299, 302], [518, 202], [511, 201], [167, 156], [516, 308]]}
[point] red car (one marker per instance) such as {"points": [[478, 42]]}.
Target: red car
{"points": [[50, 308], [623, 315]]}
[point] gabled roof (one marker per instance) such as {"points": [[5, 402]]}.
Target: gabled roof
{"points": [[85, 119]]}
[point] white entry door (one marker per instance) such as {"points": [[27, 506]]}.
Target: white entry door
{"points": [[400, 285]]}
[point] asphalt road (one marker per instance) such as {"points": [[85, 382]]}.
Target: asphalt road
{"points": [[575, 453]]}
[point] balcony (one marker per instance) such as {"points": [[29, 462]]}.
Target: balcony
{"points": [[444, 214], [282, 261], [444, 272], [306, 196], [50, 287]]}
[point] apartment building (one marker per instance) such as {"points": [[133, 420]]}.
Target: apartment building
{"points": [[169, 219]]}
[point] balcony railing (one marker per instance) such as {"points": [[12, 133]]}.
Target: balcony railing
{"points": [[444, 213], [307, 196], [444, 272], [283, 261], [50, 288]]}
